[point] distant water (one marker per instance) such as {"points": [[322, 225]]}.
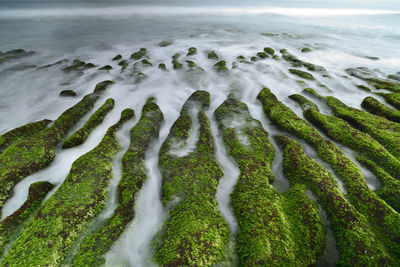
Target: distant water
{"points": [[341, 34]]}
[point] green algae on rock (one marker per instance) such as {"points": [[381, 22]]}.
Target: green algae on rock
{"points": [[262, 55], [220, 66], [192, 51], [358, 244], [117, 57], [67, 93], [272, 230], [364, 88], [106, 67], [298, 63], [212, 55], [383, 218], [13, 224], [162, 67], [386, 132], [175, 63], [269, 50], [78, 65], [21, 133], [372, 105], [389, 189], [195, 233], [95, 245], [392, 99], [14, 54], [165, 43], [33, 154], [306, 49], [139, 54], [49, 235], [302, 74], [80, 136], [303, 102], [370, 77], [340, 131]]}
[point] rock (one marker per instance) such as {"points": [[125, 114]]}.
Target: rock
{"points": [[162, 66], [139, 54], [117, 57], [106, 67], [192, 51], [305, 50], [269, 50], [66, 93], [262, 55], [212, 55], [165, 43]]}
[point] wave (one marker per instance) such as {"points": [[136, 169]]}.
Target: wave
{"points": [[129, 11]]}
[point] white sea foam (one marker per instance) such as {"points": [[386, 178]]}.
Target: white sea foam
{"points": [[128, 11]]}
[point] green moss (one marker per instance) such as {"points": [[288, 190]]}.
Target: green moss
{"points": [[191, 64], [372, 105], [358, 244], [162, 66], [364, 88], [195, 233], [391, 98], [12, 225], [212, 55], [299, 63], [269, 50], [64, 216], [80, 136], [220, 66], [21, 133], [106, 67], [313, 93], [302, 74], [33, 154], [253, 58], [95, 245], [272, 230], [305, 50], [192, 51], [394, 77], [386, 132], [389, 189], [67, 93], [62, 61], [276, 57], [139, 54], [14, 54], [165, 43], [369, 77], [303, 102], [340, 131], [78, 65], [117, 57], [384, 219], [262, 55]]}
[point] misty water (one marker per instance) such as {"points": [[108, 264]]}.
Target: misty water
{"points": [[341, 34]]}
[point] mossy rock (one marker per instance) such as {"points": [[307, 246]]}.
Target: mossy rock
{"points": [[212, 55], [262, 55], [139, 54], [117, 57], [299, 63], [305, 50], [253, 58], [364, 88], [269, 50], [220, 66], [48, 236], [384, 219], [162, 67], [14, 223], [302, 74], [358, 244], [35, 153], [62, 61], [370, 77], [198, 237], [165, 43], [394, 77], [68, 93], [14, 54], [271, 228], [192, 51], [146, 63], [21, 133], [80, 136], [95, 246], [372, 105], [303, 102], [106, 67]]}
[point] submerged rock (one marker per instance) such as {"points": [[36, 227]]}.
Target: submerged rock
{"points": [[66, 93], [139, 54], [302, 74], [106, 67], [269, 50], [117, 57], [165, 43], [212, 55], [192, 51], [221, 66]]}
